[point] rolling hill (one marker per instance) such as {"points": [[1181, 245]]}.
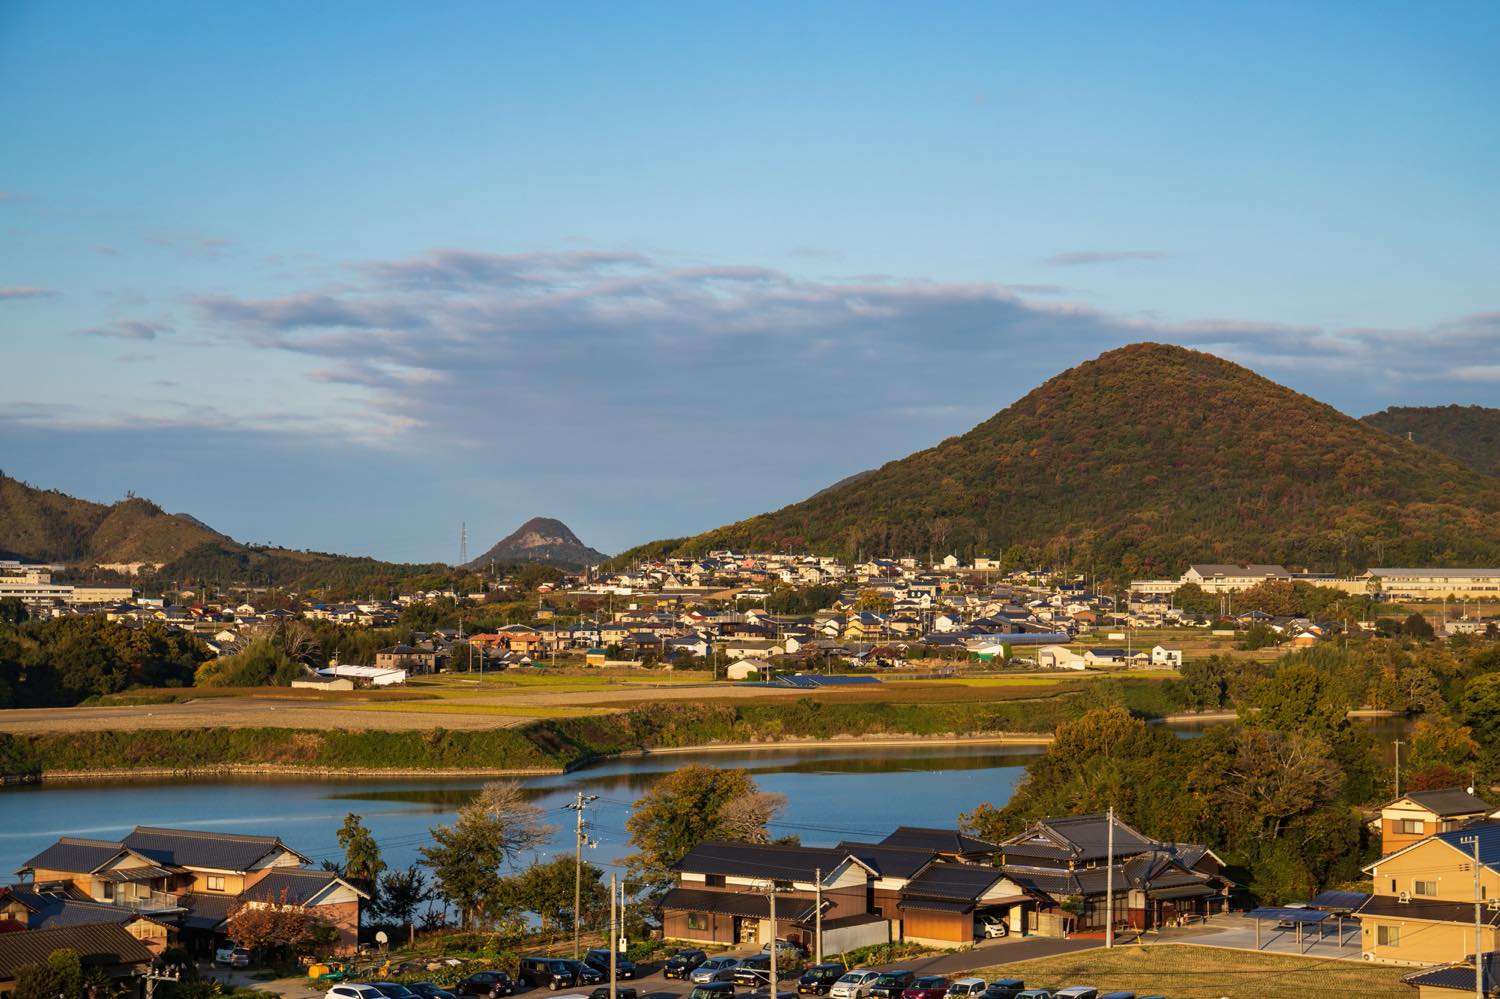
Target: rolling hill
{"points": [[540, 539], [1144, 459], [48, 526], [1470, 434]]}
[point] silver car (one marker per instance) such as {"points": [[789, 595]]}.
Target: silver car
{"points": [[854, 985], [715, 969]]}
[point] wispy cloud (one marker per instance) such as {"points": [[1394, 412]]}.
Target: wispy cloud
{"points": [[127, 329], [25, 291], [1078, 258], [190, 246]]}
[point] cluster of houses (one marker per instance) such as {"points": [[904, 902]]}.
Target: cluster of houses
{"points": [[121, 903], [942, 888]]}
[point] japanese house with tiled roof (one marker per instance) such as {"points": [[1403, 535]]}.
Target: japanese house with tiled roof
{"points": [[186, 880]]}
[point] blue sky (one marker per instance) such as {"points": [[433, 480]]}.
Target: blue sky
{"points": [[341, 275]]}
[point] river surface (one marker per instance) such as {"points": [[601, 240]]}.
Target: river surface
{"points": [[832, 794], [845, 792]]}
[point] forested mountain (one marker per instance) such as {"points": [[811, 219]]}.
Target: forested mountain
{"points": [[1469, 433], [48, 526], [1142, 460], [540, 539]]}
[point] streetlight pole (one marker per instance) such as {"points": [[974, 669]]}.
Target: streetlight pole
{"points": [[1478, 921], [1399, 744], [1109, 881], [578, 806]]}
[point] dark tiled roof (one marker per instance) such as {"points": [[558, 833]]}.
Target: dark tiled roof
{"points": [[75, 855], [1084, 837], [1460, 977], [68, 912], [96, 944], [736, 903], [206, 912], [962, 882], [1449, 801], [190, 848], [937, 840], [890, 861], [753, 860], [299, 884]]}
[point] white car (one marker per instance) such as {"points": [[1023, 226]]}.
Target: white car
{"points": [[966, 988], [715, 969], [233, 955], [351, 990], [854, 985], [993, 927]]}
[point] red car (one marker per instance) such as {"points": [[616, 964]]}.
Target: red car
{"points": [[927, 987]]}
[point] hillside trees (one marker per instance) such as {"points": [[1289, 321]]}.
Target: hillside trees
{"points": [[467, 857], [689, 806]]}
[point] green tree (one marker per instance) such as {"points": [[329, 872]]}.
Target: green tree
{"points": [[693, 804], [66, 964], [1191, 598], [1417, 626], [1297, 697], [37, 981], [401, 894], [362, 863], [546, 891], [467, 857], [1479, 707]]}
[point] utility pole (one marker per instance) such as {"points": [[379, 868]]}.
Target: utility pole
{"points": [[817, 919], [1478, 920], [1399, 744], [613, 946], [1109, 882], [578, 806], [774, 948]]}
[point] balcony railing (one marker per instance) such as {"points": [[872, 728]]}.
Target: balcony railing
{"points": [[157, 901]]}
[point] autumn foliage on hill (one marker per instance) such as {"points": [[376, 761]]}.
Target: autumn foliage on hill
{"points": [[1470, 434], [1145, 459]]}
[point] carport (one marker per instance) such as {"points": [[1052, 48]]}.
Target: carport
{"points": [[1299, 918]]}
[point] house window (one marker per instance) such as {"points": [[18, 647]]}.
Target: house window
{"points": [[1388, 936], [107, 890], [714, 880], [1409, 827], [697, 921], [1393, 886], [215, 882], [1424, 888]]}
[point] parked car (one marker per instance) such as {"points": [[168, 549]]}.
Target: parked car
{"points": [[854, 985], [891, 984], [1004, 988], [392, 990], [427, 990], [233, 955], [351, 990], [993, 927], [681, 964], [927, 987], [555, 972], [715, 969], [785, 949], [1077, 992], [753, 972], [817, 980], [966, 988], [486, 985], [621, 992], [598, 959], [1118, 995], [1034, 994], [713, 990]]}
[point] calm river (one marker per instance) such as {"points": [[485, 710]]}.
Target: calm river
{"points": [[832, 794]]}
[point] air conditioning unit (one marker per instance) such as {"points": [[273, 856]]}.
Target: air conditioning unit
{"points": [[1404, 897], [1368, 955], [1493, 905]]}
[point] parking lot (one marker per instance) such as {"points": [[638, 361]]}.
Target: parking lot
{"points": [[653, 985]]}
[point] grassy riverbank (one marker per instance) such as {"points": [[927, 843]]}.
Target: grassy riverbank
{"points": [[542, 745]]}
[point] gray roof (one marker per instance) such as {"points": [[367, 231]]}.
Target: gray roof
{"points": [[75, 855], [206, 912], [1449, 801], [1460, 977], [191, 848], [890, 861], [1078, 837], [56, 912], [957, 882], [299, 884], [937, 840], [97, 944], [1210, 569], [761, 860]]}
